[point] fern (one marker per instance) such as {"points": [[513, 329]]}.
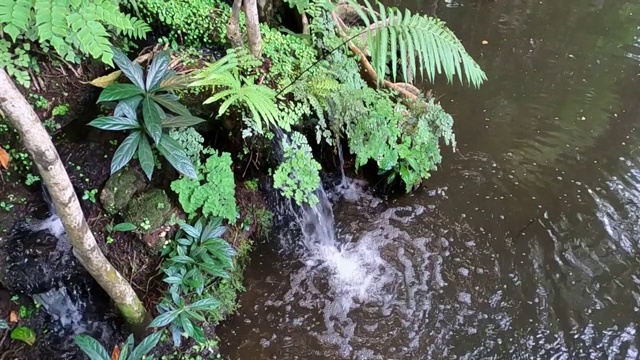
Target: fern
{"points": [[234, 89], [415, 37], [71, 27]]}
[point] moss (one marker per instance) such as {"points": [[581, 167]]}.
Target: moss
{"points": [[149, 211], [120, 189]]}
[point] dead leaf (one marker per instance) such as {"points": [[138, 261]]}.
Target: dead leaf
{"points": [[484, 42], [4, 159], [115, 355], [13, 317], [104, 81]]}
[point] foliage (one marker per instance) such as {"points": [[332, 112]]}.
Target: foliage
{"points": [[70, 27], [436, 47], [213, 193], [289, 55], [152, 98], [232, 88], [297, 177], [95, 351], [4, 325], [24, 334], [191, 141], [189, 21], [16, 61], [90, 194], [195, 260]]}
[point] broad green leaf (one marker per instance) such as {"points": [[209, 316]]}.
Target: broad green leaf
{"points": [[145, 346], [204, 304], [213, 229], [91, 347], [170, 102], [119, 92], [173, 280], [198, 335], [152, 119], [181, 121], [190, 230], [115, 123], [187, 325], [124, 227], [165, 319], [128, 107], [158, 70], [181, 259], [125, 151], [131, 70], [176, 156], [196, 315], [126, 347], [145, 156]]}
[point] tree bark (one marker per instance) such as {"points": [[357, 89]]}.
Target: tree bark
{"points": [[253, 27], [38, 143], [233, 26]]}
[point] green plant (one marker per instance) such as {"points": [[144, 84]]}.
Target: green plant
{"points": [[31, 179], [60, 110], [213, 193], [6, 206], [90, 194], [195, 260], [152, 96], [24, 334], [25, 312], [232, 88], [16, 61], [389, 32], [95, 350], [39, 101], [191, 141], [297, 176], [69, 26]]}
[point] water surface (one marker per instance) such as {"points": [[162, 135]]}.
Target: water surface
{"points": [[524, 244]]}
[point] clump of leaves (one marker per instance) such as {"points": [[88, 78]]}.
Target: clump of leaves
{"points": [[213, 192], [298, 176], [95, 350], [147, 107], [24, 334], [195, 260]]}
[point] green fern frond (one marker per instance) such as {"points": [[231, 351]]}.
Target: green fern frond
{"points": [[232, 89], [15, 16], [418, 42]]}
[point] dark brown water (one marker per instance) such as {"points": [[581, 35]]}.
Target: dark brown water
{"points": [[530, 246]]}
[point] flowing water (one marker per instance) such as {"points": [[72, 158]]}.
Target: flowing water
{"points": [[524, 244]]}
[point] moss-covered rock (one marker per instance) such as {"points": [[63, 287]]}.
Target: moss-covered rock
{"points": [[120, 189], [149, 211]]}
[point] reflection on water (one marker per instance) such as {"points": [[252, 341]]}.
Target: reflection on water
{"points": [[529, 246]]}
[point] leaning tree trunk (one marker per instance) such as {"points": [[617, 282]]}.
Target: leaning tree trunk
{"points": [[38, 143], [233, 26], [253, 27]]}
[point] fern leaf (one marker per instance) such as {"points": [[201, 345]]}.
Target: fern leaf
{"points": [[15, 15], [412, 36]]}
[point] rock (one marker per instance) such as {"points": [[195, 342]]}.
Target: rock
{"points": [[149, 211], [120, 189]]}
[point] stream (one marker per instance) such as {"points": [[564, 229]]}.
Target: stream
{"points": [[524, 244]]}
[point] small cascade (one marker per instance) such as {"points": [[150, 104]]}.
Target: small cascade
{"points": [[343, 183]]}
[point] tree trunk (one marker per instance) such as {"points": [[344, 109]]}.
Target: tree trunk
{"points": [[233, 26], [38, 143], [253, 27]]}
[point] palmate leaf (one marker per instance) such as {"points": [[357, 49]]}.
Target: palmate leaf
{"points": [[409, 36]]}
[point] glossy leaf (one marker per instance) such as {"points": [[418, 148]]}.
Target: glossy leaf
{"points": [[182, 259], [115, 123], [170, 102], [126, 348], [131, 70], [124, 227], [145, 346], [152, 119], [198, 334], [165, 318], [145, 156], [190, 230], [213, 229], [181, 121], [176, 156], [125, 151], [119, 92], [187, 325], [128, 107], [205, 304], [158, 70], [91, 347]]}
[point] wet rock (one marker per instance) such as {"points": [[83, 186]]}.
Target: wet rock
{"points": [[120, 189], [149, 211]]}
